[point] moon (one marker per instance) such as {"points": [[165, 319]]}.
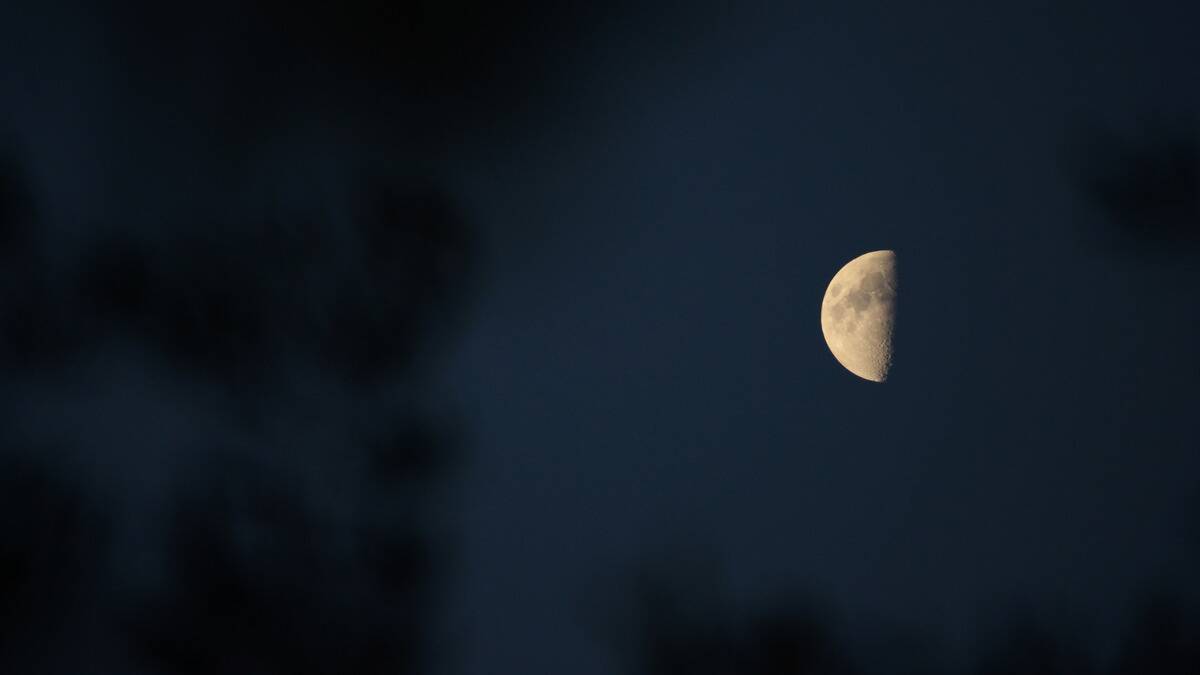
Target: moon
{"points": [[858, 314]]}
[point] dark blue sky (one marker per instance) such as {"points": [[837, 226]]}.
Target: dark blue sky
{"points": [[659, 195], [657, 369]]}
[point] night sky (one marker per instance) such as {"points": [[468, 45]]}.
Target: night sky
{"points": [[417, 337]]}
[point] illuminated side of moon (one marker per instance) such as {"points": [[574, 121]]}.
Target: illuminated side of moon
{"points": [[858, 314]]}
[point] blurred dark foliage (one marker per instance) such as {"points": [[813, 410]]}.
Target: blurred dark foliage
{"points": [[51, 543], [678, 622], [795, 640], [225, 300], [675, 632], [423, 42], [1147, 183], [409, 450], [262, 576], [1164, 639], [415, 260], [443, 66], [431, 44], [1026, 647], [16, 209], [32, 329], [257, 588]]}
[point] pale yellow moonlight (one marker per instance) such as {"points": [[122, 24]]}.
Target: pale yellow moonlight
{"points": [[858, 314]]}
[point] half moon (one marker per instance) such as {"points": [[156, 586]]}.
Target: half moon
{"points": [[858, 314]]}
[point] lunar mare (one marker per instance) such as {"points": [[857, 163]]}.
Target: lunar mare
{"points": [[858, 314]]}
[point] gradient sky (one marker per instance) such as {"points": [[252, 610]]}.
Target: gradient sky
{"points": [[661, 194]]}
